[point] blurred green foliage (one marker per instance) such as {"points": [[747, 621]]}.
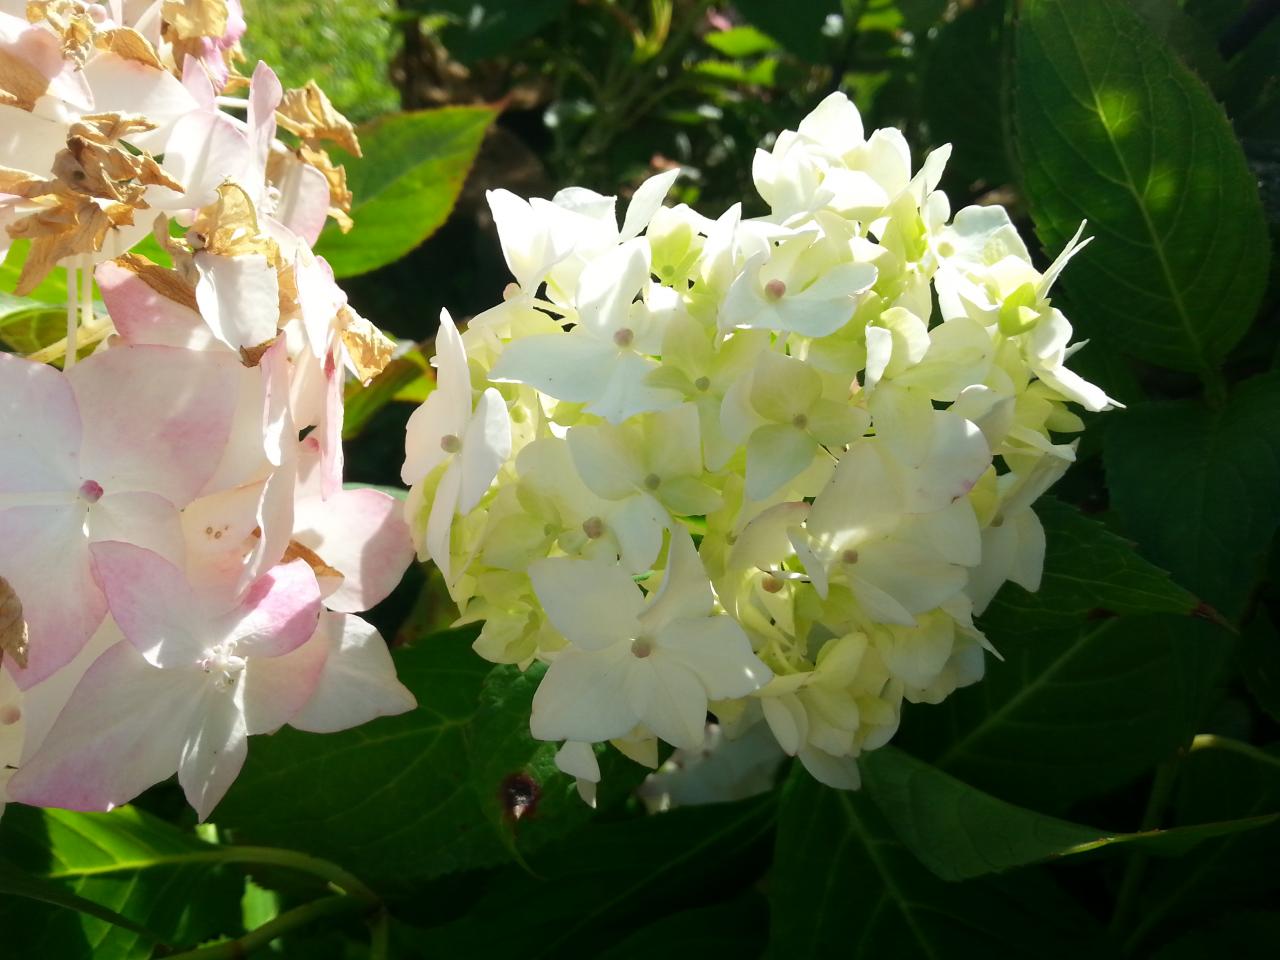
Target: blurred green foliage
{"points": [[344, 45]]}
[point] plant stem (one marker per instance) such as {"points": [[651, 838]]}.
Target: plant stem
{"points": [[1210, 741], [347, 882], [1157, 801], [261, 937]]}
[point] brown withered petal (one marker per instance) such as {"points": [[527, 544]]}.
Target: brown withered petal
{"points": [[13, 627], [70, 21], [130, 44], [21, 84], [252, 356], [339, 196], [369, 348], [167, 283], [110, 127], [296, 551], [229, 226], [307, 112], [20, 183], [190, 19]]}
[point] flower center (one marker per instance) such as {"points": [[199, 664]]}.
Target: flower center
{"points": [[770, 584], [702, 384], [91, 491], [593, 527], [652, 482], [800, 421], [849, 556], [450, 443], [624, 337], [775, 289], [641, 647], [222, 664]]}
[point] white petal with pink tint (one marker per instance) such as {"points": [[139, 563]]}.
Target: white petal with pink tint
{"points": [[166, 432], [39, 430], [359, 679], [278, 612], [153, 604], [122, 731]]}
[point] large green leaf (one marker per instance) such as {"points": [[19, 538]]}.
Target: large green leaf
{"points": [[1112, 128], [126, 861], [959, 832], [579, 894], [405, 186], [1196, 487], [404, 799], [843, 886], [1090, 572], [1259, 655], [27, 325], [734, 930], [1083, 699]]}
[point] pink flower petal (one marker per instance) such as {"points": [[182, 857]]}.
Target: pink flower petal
{"points": [[141, 315], [39, 429], [46, 560], [278, 613], [164, 434], [122, 731], [153, 604]]}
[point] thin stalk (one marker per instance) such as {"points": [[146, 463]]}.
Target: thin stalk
{"points": [[1210, 741], [271, 930], [1136, 868], [73, 318]]}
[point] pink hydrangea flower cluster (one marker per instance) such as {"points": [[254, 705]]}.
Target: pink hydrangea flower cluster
{"points": [[178, 545]]}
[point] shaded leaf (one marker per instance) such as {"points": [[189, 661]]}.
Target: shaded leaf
{"points": [[1195, 487], [580, 893], [736, 930], [479, 30], [843, 886], [1083, 700], [962, 95], [1112, 128], [960, 832], [1233, 872], [404, 799], [798, 27], [125, 861], [405, 186]]}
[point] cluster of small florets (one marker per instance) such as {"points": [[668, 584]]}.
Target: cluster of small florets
{"points": [[178, 568], [767, 468]]}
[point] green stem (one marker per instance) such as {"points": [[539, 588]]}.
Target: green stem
{"points": [[347, 882], [261, 937], [1211, 741], [1136, 868], [380, 939]]}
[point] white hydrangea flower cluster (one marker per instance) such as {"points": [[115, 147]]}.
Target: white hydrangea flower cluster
{"points": [[769, 468]]}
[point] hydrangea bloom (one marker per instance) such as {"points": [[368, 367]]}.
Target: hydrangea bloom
{"points": [[748, 465], [182, 567]]}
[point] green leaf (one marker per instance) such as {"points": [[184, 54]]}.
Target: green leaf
{"points": [[125, 861], [1090, 571], [1112, 128], [843, 886], [19, 883], [580, 893], [958, 832], [1196, 487], [962, 96], [404, 799], [477, 30], [797, 26], [743, 41], [1083, 700], [27, 325], [405, 186]]}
